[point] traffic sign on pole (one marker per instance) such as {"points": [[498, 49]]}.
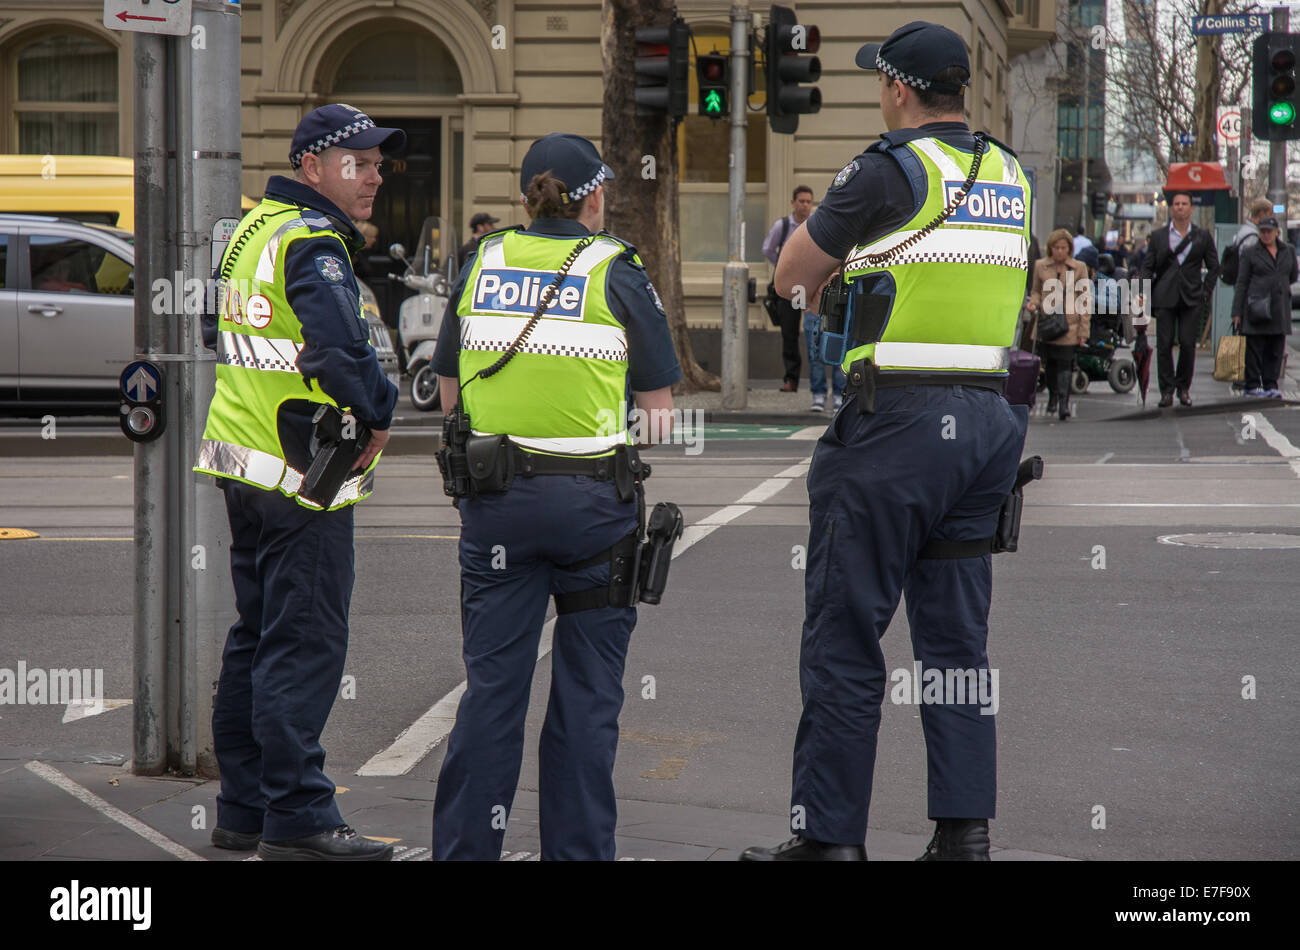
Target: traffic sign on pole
{"points": [[162, 17], [1228, 126], [1230, 23]]}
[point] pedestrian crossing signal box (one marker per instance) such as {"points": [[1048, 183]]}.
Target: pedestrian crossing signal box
{"points": [[141, 412], [713, 77]]}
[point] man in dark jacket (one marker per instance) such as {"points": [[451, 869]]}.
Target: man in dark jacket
{"points": [[1261, 306], [1175, 255]]}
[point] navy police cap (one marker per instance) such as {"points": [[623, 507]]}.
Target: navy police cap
{"points": [[915, 53], [571, 159], [344, 126]]}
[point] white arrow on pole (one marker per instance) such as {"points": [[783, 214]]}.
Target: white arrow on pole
{"points": [[140, 380]]}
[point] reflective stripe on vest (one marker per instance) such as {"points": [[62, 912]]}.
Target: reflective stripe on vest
{"points": [[267, 471], [594, 341], [257, 352], [950, 301]]}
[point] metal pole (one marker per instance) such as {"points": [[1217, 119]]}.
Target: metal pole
{"points": [[1277, 150], [213, 162], [149, 674], [735, 274], [1083, 175]]}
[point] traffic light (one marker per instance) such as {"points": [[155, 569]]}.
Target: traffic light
{"points": [[662, 64], [713, 76], [1276, 100], [786, 67], [1099, 202]]}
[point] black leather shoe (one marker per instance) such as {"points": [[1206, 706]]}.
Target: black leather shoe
{"points": [[1166, 401], [1051, 405], [805, 849], [1184, 397], [958, 839], [338, 844], [235, 840]]}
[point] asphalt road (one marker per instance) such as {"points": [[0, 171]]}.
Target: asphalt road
{"points": [[1120, 686]]}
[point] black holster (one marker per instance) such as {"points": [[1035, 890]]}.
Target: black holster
{"points": [[332, 455]]}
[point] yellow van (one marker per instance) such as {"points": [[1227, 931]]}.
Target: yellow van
{"points": [[96, 189]]}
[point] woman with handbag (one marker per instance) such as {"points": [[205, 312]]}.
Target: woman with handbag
{"points": [[1261, 307], [1061, 300]]}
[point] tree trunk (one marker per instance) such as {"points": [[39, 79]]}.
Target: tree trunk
{"points": [[1205, 107], [641, 204]]}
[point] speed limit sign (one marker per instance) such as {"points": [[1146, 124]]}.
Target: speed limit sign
{"points": [[1228, 127]]}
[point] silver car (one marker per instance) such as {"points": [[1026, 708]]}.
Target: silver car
{"points": [[67, 313]]}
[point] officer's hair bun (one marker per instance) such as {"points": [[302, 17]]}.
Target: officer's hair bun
{"points": [[548, 197]]}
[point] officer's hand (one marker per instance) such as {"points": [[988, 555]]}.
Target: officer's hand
{"points": [[1236, 323], [378, 439], [1031, 307]]}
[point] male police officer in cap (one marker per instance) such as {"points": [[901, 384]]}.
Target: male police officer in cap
{"points": [[291, 337], [906, 484], [561, 525]]}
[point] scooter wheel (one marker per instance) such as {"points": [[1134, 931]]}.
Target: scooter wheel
{"points": [[1079, 382], [425, 395], [1122, 376]]}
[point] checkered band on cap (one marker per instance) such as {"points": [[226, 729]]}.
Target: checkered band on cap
{"points": [[901, 76], [333, 138], [583, 190]]}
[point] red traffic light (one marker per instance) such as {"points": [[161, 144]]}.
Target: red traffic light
{"points": [[1283, 59], [713, 68]]}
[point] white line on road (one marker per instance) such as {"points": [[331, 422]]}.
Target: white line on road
{"points": [[1105, 458], [422, 736], [1279, 443], [87, 797]]}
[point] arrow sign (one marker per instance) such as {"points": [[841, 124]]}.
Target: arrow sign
{"points": [[140, 381], [161, 17]]}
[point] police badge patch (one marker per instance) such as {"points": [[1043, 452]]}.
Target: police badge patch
{"points": [[331, 268], [845, 173], [654, 297]]}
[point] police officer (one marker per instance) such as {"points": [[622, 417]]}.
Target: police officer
{"points": [[906, 485], [562, 400], [292, 336]]}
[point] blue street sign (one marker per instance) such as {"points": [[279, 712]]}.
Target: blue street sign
{"points": [[1232, 23], [1186, 138], [140, 381]]}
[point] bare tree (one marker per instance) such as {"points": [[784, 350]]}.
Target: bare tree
{"points": [[642, 150]]}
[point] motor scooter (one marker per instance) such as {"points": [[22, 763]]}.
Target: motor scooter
{"points": [[430, 272]]}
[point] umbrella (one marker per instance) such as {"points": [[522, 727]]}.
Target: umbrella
{"points": [[1142, 362]]}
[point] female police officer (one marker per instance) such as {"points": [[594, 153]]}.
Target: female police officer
{"points": [[598, 333]]}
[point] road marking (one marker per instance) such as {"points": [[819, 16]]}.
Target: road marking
{"points": [[1104, 459], [422, 736], [83, 708], [1279, 443], [808, 434], [87, 797]]}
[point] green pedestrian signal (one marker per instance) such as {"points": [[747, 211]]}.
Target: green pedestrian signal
{"points": [[713, 75]]}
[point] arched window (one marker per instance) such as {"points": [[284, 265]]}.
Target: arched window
{"points": [[65, 98], [398, 61]]}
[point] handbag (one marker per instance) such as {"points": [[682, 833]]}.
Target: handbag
{"points": [[771, 300], [1052, 326], [1230, 359], [1258, 311]]}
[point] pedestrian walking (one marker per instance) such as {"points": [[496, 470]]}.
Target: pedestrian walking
{"points": [[1177, 253], [801, 203], [906, 484], [1062, 290], [292, 340], [546, 331], [1261, 306]]}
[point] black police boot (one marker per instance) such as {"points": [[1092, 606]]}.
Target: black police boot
{"points": [[958, 839], [337, 844], [235, 840], [805, 849]]}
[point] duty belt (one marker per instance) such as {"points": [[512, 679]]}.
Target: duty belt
{"points": [[865, 378]]}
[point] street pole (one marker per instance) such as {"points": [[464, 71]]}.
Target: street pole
{"points": [[735, 274], [1277, 150], [149, 754], [1083, 174], [212, 206]]}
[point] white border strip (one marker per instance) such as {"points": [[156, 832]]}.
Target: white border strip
{"points": [[422, 736], [110, 811]]}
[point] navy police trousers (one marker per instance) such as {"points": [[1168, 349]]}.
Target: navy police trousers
{"points": [[933, 462], [283, 662], [513, 549]]}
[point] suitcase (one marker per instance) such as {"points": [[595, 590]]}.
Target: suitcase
{"points": [[1022, 379]]}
